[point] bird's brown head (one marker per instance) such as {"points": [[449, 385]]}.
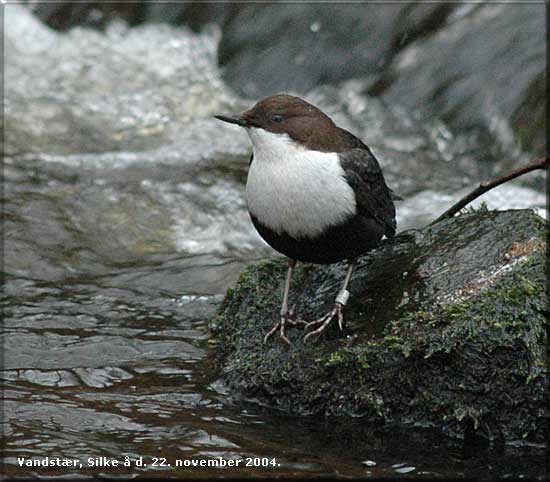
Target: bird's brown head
{"points": [[287, 114]]}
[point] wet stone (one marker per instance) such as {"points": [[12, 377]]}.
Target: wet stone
{"points": [[445, 328]]}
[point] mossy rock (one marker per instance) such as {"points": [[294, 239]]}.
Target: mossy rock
{"points": [[446, 327]]}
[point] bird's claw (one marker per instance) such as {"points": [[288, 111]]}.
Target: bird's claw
{"points": [[277, 326], [286, 318], [325, 320]]}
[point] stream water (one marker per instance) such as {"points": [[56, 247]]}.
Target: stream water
{"points": [[125, 223]]}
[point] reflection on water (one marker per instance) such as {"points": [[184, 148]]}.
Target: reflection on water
{"points": [[125, 223]]}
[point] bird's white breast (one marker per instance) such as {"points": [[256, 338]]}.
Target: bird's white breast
{"points": [[294, 190]]}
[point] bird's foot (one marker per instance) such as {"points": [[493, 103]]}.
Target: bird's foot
{"points": [[291, 317], [287, 318], [325, 320]]}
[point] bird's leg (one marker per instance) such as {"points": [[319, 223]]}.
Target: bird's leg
{"points": [[292, 318], [340, 302], [285, 314], [293, 313]]}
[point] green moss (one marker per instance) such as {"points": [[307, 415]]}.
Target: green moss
{"points": [[509, 307], [363, 360], [335, 358]]}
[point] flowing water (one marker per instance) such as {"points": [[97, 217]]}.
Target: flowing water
{"points": [[125, 223]]}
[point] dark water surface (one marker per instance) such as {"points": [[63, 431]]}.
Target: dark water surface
{"points": [[118, 366], [125, 223]]}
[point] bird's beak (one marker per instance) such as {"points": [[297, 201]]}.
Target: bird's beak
{"points": [[233, 119]]}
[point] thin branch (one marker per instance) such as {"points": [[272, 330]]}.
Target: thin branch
{"points": [[489, 184]]}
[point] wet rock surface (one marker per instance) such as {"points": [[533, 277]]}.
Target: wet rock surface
{"points": [[445, 328], [318, 44]]}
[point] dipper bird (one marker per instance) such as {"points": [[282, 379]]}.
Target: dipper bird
{"points": [[315, 193]]}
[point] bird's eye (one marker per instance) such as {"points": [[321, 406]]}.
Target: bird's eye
{"points": [[277, 118]]}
